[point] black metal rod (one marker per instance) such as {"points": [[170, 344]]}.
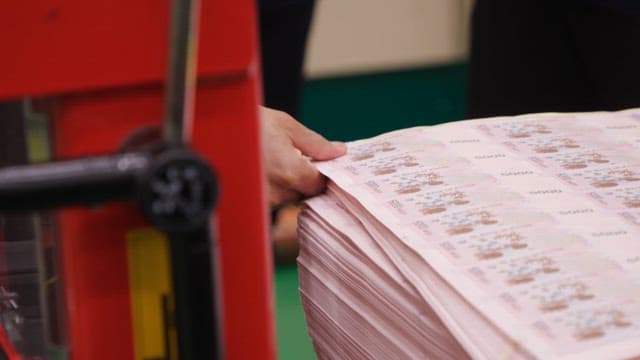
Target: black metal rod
{"points": [[192, 264], [73, 182], [181, 77]]}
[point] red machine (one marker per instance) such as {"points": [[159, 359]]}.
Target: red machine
{"points": [[105, 286]]}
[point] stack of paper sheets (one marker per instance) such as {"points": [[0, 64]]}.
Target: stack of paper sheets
{"points": [[515, 237]]}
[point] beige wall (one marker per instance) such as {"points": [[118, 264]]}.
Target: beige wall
{"points": [[357, 36]]}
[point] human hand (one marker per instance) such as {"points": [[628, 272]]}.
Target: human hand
{"points": [[289, 148]]}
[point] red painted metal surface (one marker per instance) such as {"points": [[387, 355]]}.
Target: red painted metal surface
{"points": [[7, 347], [103, 62], [92, 241], [233, 147], [225, 133], [55, 46]]}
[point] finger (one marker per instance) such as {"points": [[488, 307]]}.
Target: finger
{"points": [[280, 196], [308, 180], [315, 145]]}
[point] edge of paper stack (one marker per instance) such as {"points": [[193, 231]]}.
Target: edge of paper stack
{"points": [[512, 237]]}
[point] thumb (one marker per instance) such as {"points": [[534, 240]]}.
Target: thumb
{"points": [[315, 145]]}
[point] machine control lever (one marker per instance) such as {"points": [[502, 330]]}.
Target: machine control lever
{"points": [[176, 189]]}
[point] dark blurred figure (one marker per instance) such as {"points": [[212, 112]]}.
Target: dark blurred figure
{"points": [[284, 27], [550, 55]]}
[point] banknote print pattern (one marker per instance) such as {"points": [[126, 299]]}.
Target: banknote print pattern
{"points": [[451, 191]]}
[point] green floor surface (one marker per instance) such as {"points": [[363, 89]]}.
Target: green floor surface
{"points": [[293, 341]]}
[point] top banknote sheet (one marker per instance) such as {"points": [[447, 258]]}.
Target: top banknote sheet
{"points": [[534, 220]]}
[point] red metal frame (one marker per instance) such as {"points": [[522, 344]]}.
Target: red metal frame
{"points": [[7, 347], [73, 45], [104, 62]]}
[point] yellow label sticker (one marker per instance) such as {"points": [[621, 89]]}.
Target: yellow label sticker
{"points": [[152, 303]]}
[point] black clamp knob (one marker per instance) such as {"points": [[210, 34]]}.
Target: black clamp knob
{"points": [[178, 191]]}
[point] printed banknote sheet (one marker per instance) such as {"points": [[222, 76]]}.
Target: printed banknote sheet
{"points": [[533, 220]]}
